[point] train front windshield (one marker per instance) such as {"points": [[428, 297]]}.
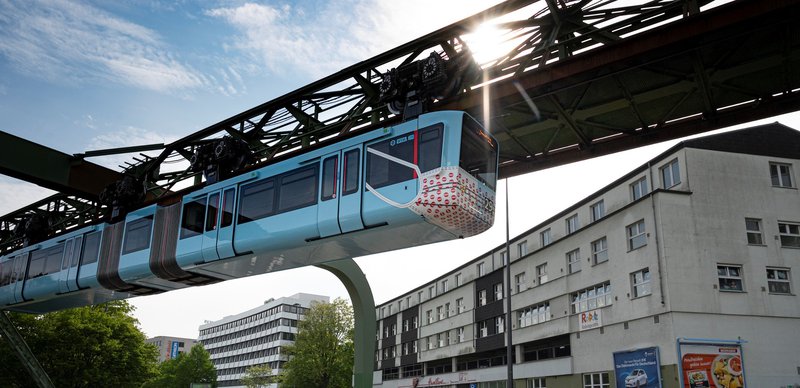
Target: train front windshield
{"points": [[478, 152]]}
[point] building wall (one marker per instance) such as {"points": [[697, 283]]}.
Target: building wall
{"points": [[165, 346], [692, 221]]}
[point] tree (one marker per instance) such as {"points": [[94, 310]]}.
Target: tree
{"points": [[322, 355], [258, 376], [182, 371], [95, 346]]}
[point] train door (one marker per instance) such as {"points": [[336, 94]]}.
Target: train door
{"points": [[68, 276], [218, 232], [20, 269], [209, 239], [350, 200], [328, 209]]}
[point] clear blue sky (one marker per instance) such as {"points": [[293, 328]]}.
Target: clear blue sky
{"points": [[88, 75]]}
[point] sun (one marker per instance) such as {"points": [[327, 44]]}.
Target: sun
{"points": [[487, 43]]}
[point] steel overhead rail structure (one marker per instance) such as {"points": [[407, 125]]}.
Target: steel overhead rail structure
{"points": [[574, 80]]}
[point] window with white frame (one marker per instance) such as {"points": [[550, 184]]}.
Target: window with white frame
{"points": [[394, 329], [730, 277], [541, 273], [458, 279], [500, 324], [779, 281], [405, 348], [670, 174], [431, 292], [460, 305], [533, 315], [781, 174], [440, 340], [535, 382], [444, 286], [789, 234], [754, 234], [600, 250], [545, 238], [639, 188], [574, 260], [591, 298], [447, 310], [431, 342], [482, 298], [460, 334], [596, 380], [415, 322], [429, 316], [572, 224], [640, 283], [519, 282], [498, 291], [414, 346], [522, 249], [483, 330], [481, 269], [637, 236], [440, 312], [447, 338], [406, 325], [598, 210]]}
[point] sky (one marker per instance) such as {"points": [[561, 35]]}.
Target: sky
{"points": [[89, 75]]}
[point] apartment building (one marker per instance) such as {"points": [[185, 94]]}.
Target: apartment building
{"points": [[683, 272], [254, 337], [171, 347]]}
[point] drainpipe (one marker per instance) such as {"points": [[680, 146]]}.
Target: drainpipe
{"points": [[655, 233]]}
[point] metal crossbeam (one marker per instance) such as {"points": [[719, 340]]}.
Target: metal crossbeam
{"points": [[23, 352]]}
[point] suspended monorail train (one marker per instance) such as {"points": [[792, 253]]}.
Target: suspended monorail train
{"points": [[426, 180]]}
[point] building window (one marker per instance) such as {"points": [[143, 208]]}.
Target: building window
{"points": [[503, 257], [640, 281], [519, 281], [389, 307], [598, 210], [498, 291], [730, 278], [447, 310], [545, 238], [754, 234], [414, 346], [522, 248], [394, 329], [483, 331], [541, 273], [405, 349], [533, 315], [460, 305], [781, 174], [574, 261], [789, 234], [429, 316], [572, 224], [440, 312], [406, 325], [639, 188], [440, 340], [458, 279], [596, 380], [444, 286], [671, 174], [500, 324], [779, 281], [600, 251], [431, 292], [636, 235], [415, 322], [481, 269], [431, 342], [482, 298], [419, 296], [535, 382], [460, 334], [592, 298]]}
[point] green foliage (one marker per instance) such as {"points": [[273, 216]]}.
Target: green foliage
{"points": [[322, 355], [258, 376], [96, 346], [182, 371]]}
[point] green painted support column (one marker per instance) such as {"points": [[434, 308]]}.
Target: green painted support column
{"points": [[24, 353], [364, 310]]}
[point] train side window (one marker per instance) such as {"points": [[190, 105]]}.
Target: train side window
{"points": [[329, 172], [137, 235], [45, 261], [193, 217], [256, 200], [20, 263], [227, 207], [383, 172], [67, 255], [298, 189], [211, 212], [5, 272], [91, 248], [350, 174], [430, 148]]}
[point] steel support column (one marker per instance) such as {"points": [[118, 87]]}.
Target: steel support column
{"points": [[364, 310], [23, 352]]}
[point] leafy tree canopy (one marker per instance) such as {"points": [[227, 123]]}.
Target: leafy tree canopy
{"points": [[95, 346], [258, 376], [182, 371], [322, 355]]}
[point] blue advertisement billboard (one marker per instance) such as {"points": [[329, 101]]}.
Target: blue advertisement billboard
{"points": [[638, 368], [174, 353]]}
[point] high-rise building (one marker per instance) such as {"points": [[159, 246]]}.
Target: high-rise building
{"points": [[254, 337], [683, 272], [171, 347]]}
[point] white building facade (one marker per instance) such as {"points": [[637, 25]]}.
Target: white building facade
{"points": [[254, 337], [683, 271]]}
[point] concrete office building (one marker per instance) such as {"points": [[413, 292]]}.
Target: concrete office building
{"points": [[171, 347], [254, 337], [685, 269]]}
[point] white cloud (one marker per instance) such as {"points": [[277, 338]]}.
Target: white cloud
{"points": [[71, 42], [16, 194], [128, 137], [287, 39]]}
